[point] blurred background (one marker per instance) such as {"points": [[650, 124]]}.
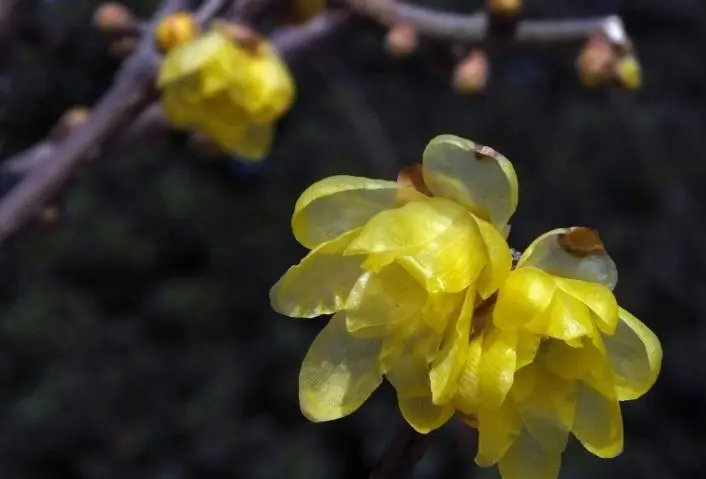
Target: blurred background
{"points": [[136, 337]]}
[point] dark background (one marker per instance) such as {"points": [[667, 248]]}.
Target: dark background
{"points": [[136, 338]]}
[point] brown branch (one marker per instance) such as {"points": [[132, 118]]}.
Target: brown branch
{"points": [[402, 454], [472, 28]]}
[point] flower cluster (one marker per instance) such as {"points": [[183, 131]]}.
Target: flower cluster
{"points": [[229, 86], [421, 284]]}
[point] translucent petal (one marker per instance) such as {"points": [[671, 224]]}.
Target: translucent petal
{"points": [[473, 175], [338, 204], [499, 259], [447, 365], [451, 261], [551, 405], [529, 459], [598, 298], [598, 423], [565, 361], [440, 308], [524, 295], [253, 144], [496, 368], [410, 378], [339, 372], [378, 301], [575, 253], [320, 283], [423, 415], [527, 346], [467, 397], [497, 430], [635, 355], [566, 319], [524, 383]]}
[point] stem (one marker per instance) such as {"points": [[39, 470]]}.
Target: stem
{"points": [[402, 454]]}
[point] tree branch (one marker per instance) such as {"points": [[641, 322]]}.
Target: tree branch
{"points": [[472, 28], [402, 454]]}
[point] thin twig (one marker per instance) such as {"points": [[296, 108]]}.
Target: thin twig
{"points": [[471, 28], [402, 454]]}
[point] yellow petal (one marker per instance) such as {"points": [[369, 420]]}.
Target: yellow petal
{"points": [[454, 259], [467, 397], [473, 175], [440, 308], [524, 295], [529, 459], [524, 383], [566, 319], [378, 301], [527, 346], [338, 204], [496, 369], [565, 361], [423, 415], [253, 144], [447, 365], [598, 423], [575, 253], [320, 283], [635, 355], [551, 405], [339, 372], [499, 259], [497, 431], [598, 298]]}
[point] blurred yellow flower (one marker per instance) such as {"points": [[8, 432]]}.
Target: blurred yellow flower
{"points": [[401, 266], [230, 91], [555, 356]]}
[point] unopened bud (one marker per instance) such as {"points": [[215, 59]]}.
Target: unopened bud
{"points": [[628, 72], [176, 29], [595, 63], [113, 16], [402, 40], [69, 121], [242, 35], [504, 7], [123, 47], [471, 74]]}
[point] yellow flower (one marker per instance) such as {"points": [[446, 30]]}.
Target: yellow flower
{"points": [[231, 92], [401, 266], [554, 357]]}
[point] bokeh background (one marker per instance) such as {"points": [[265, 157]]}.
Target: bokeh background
{"points": [[136, 338]]}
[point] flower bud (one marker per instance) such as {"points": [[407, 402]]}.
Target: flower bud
{"points": [[595, 63], [175, 29], [401, 40], [504, 7], [471, 74], [113, 16], [628, 72], [69, 121]]}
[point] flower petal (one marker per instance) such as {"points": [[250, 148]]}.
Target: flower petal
{"points": [[423, 415], [496, 369], [598, 298], [529, 459], [498, 429], [576, 253], [338, 204], [635, 355], [598, 423], [499, 259], [467, 397], [524, 295], [566, 319], [379, 301], [448, 364], [339, 372], [320, 283], [473, 175]]}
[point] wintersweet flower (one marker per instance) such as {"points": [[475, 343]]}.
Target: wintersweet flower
{"points": [[401, 266], [552, 355], [231, 88]]}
